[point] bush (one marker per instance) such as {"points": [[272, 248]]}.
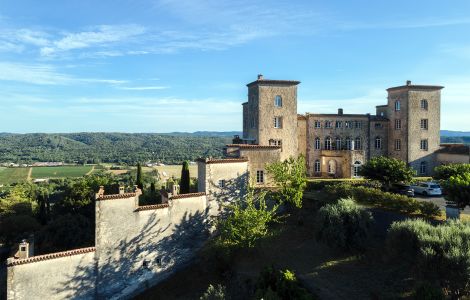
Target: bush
{"points": [[444, 172], [376, 197], [277, 284], [440, 254], [426, 291], [344, 225], [215, 293]]}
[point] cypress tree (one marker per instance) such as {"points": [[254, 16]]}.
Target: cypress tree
{"points": [[185, 179], [139, 177]]}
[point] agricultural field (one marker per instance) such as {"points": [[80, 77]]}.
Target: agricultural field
{"points": [[61, 172], [12, 175], [174, 170]]}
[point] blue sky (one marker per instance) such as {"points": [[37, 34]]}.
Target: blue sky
{"points": [[182, 65]]}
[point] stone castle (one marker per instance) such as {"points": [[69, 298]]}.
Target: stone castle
{"points": [[138, 246]]}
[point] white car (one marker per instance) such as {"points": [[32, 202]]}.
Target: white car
{"points": [[427, 189]]}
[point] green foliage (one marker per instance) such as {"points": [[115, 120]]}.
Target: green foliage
{"points": [[376, 197], [120, 148], [278, 284], [185, 181], [457, 189], [440, 254], [427, 291], [217, 292], [291, 178], [138, 180], [248, 221], [344, 225], [444, 172], [387, 170]]}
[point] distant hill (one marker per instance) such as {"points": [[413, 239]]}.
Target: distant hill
{"points": [[454, 133], [206, 133]]}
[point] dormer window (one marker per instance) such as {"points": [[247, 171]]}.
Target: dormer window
{"points": [[278, 101]]}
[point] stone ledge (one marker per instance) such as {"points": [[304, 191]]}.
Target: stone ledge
{"points": [[152, 207], [116, 196], [222, 160], [16, 262], [248, 146]]}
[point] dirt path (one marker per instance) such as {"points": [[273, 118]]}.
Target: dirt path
{"points": [[91, 171], [30, 172]]}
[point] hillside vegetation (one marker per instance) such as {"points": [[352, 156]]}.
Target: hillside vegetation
{"points": [[128, 148]]}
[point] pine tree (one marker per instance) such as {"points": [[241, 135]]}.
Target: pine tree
{"points": [[185, 178], [139, 182]]}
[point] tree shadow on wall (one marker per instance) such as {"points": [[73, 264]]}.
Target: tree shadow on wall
{"points": [[141, 260], [235, 189]]}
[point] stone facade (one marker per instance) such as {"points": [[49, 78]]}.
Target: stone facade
{"points": [[335, 145]]}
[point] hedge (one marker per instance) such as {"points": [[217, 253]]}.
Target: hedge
{"points": [[376, 197]]}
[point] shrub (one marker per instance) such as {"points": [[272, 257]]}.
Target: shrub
{"points": [[344, 225], [427, 291], [440, 254], [217, 292], [444, 172], [277, 284]]}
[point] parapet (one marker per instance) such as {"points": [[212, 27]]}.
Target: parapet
{"points": [[15, 262]]}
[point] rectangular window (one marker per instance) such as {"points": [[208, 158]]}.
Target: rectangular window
{"points": [[378, 143], [378, 126], [277, 122], [424, 145], [253, 123], [221, 183], [317, 124], [275, 142], [398, 144], [348, 124], [328, 124], [357, 124], [278, 101], [397, 124], [424, 124], [259, 176], [339, 124]]}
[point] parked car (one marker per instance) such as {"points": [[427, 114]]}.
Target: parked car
{"points": [[427, 189], [402, 189]]}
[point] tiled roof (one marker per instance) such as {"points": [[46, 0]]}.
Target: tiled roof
{"points": [[190, 195], [416, 87], [152, 207], [378, 118], [222, 160], [117, 196], [271, 81], [336, 115], [248, 146], [50, 256], [454, 149]]}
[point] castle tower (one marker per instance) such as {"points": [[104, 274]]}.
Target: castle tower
{"points": [[270, 115], [414, 131]]}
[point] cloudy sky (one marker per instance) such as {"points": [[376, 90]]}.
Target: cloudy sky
{"points": [[182, 65]]}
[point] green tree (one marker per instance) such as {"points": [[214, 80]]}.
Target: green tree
{"points": [[457, 189], [247, 222], [185, 178], [387, 170], [139, 180], [444, 172], [290, 176]]}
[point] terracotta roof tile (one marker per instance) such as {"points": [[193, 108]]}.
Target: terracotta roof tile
{"points": [[33, 259], [152, 207], [190, 195], [222, 160], [248, 146], [116, 196]]}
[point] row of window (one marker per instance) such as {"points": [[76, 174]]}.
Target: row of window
{"points": [[349, 144], [332, 167], [423, 124], [338, 124], [423, 145], [423, 104]]}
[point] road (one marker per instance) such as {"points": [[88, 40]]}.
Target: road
{"points": [[440, 201]]}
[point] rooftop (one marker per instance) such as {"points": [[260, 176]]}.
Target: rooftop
{"points": [[261, 80], [410, 86], [454, 149]]}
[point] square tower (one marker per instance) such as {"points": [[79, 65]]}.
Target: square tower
{"points": [[414, 132], [270, 115]]}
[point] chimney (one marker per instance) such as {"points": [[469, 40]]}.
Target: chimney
{"points": [[408, 82], [23, 250], [260, 77], [340, 111], [121, 190]]}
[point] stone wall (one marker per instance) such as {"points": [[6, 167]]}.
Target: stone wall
{"points": [[258, 157], [63, 275]]}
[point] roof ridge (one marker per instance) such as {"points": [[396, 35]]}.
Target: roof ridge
{"points": [[38, 258]]}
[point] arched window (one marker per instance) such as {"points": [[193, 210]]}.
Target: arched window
{"points": [[332, 167], [356, 167], [378, 143], [424, 104], [423, 166], [278, 101], [357, 144], [397, 105], [317, 143], [328, 143], [338, 143], [317, 167], [348, 143]]}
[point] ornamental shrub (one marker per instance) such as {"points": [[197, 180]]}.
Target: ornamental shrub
{"points": [[278, 284], [344, 225]]}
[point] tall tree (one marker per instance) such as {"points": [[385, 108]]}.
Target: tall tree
{"points": [[138, 181], [185, 178]]}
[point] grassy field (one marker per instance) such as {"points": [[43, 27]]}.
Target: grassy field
{"points": [[12, 175], [175, 170], [59, 172]]}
